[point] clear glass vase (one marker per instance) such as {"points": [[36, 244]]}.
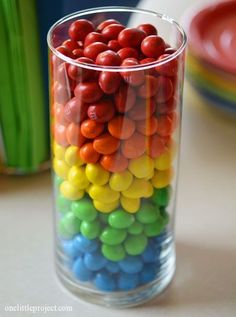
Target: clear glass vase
{"points": [[115, 135]]}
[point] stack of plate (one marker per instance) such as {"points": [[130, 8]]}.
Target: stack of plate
{"points": [[211, 58]]}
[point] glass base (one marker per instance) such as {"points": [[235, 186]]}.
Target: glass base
{"points": [[121, 299]]}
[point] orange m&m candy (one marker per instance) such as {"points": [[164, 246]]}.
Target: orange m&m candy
{"points": [[121, 127], [74, 136], [91, 129], [59, 132], [106, 144], [88, 154], [166, 124], [148, 126], [134, 146], [156, 146], [114, 163]]}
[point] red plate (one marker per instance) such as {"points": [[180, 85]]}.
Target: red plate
{"points": [[212, 34]]}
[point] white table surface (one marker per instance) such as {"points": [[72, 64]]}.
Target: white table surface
{"points": [[205, 281]]}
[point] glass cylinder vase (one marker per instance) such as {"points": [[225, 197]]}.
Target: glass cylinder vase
{"points": [[116, 80]]}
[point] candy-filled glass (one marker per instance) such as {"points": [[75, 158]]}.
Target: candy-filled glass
{"points": [[116, 79]]}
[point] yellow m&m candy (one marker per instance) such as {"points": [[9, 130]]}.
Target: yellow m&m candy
{"points": [[105, 207], [60, 168], [150, 175], [164, 161], [58, 151], [139, 188], [131, 205], [71, 192], [142, 166], [103, 193], [72, 156], [162, 178], [77, 177], [121, 181], [96, 174]]}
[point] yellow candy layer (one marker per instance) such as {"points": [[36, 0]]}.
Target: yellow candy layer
{"points": [[131, 205], [162, 178], [121, 181], [96, 174], [141, 167], [105, 207], [70, 192]]}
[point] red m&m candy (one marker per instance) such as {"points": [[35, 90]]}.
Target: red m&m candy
{"points": [[101, 111], [111, 31], [108, 58], [143, 109], [124, 98], [131, 37], [88, 91], [153, 46], [165, 89], [127, 52], [114, 45], [149, 88], [109, 82], [75, 110], [92, 50], [105, 23], [169, 68], [149, 29], [94, 37], [81, 73], [134, 78], [79, 29]]}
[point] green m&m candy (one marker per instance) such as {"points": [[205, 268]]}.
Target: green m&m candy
{"points": [[63, 204], [114, 253], [165, 216], [148, 213], [135, 244], [84, 210], [58, 180], [69, 225], [135, 228], [120, 219], [90, 229], [112, 236], [154, 229], [161, 196], [103, 217]]}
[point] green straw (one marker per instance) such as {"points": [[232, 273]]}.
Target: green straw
{"points": [[30, 40]]}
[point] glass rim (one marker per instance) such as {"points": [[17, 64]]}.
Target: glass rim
{"points": [[116, 68]]}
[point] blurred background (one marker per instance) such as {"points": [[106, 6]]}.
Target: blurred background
{"points": [[206, 209]]}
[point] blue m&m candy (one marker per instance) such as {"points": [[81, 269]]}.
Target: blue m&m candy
{"points": [[105, 281], [85, 245], [80, 271], [151, 253], [112, 267], [148, 273], [95, 261], [69, 249], [127, 281], [131, 264]]}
